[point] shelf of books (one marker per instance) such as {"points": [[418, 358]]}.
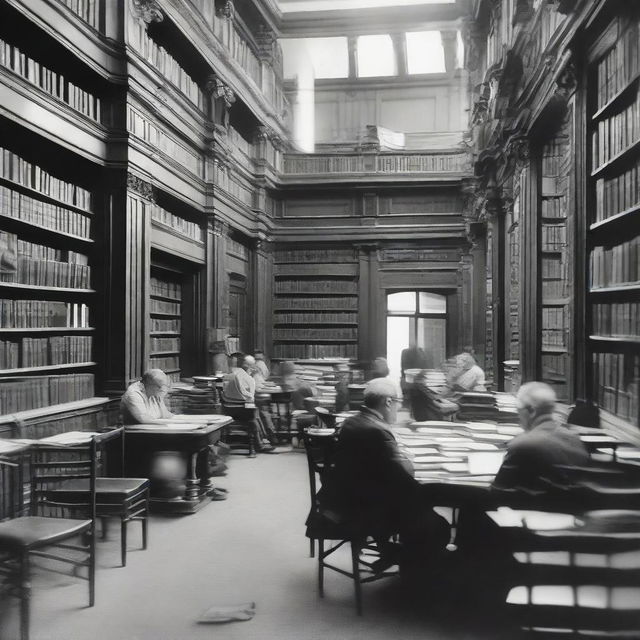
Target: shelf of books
{"points": [[614, 206], [556, 265], [165, 324], [315, 304], [46, 337]]}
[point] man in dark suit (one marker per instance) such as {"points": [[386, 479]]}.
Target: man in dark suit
{"points": [[542, 457], [371, 486]]}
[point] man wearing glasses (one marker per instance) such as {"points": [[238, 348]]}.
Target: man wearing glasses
{"points": [[370, 486], [143, 401]]}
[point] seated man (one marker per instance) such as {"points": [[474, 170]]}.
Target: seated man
{"points": [[261, 364], [371, 488], [465, 375], [238, 391], [540, 458], [143, 401]]}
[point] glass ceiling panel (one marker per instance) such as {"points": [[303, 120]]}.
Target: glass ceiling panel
{"points": [[376, 56], [424, 52]]}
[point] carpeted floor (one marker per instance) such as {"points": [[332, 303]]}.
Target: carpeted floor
{"points": [[250, 547]]}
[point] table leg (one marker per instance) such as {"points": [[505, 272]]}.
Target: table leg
{"points": [[193, 482]]}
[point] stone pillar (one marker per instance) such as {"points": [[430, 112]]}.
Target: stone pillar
{"points": [[450, 46], [353, 56], [400, 49]]}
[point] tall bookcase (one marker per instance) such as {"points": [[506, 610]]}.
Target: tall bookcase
{"points": [[556, 265], [315, 304], [165, 322], [46, 295], [613, 125]]}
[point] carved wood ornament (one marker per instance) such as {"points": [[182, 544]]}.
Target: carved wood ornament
{"points": [[147, 10]]}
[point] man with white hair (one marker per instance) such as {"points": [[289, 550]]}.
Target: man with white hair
{"points": [[370, 486], [540, 458], [143, 401]]}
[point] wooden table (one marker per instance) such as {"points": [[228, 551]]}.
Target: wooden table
{"points": [[185, 442]]}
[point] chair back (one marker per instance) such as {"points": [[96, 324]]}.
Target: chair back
{"points": [[12, 484], [281, 409], [54, 467], [327, 419], [319, 450]]}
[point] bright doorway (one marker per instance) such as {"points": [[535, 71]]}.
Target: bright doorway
{"points": [[416, 319]]}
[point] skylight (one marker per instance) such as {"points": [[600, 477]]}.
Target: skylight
{"points": [[291, 6], [376, 56], [424, 52], [329, 56]]}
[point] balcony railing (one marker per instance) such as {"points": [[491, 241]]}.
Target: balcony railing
{"points": [[384, 163]]}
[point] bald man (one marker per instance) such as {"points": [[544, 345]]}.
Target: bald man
{"points": [[143, 401], [371, 485], [542, 456]]}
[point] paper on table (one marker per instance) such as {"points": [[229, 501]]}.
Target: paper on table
{"points": [[485, 462], [179, 426], [8, 446], [70, 437], [200, 417]]}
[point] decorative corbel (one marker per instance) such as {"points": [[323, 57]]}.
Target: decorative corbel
{"points": [[141, 187], [222, 97], [147, 10], [225, 9], [566, 82]]}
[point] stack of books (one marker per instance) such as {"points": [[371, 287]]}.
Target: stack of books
{"points": [[476, 405]]}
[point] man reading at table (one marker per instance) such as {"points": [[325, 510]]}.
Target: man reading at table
{"points": [[143, 401], [371, 488], [541, 458]]}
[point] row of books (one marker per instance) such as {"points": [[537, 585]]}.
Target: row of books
{"points": [[555, 366], [618, 319], [166, 326], [43, 252], [165, 344], [306, 256], [619, 66], [34, 314], [162, 306], [15, 168], [552, 267], [53, 83], [315, 304], [165, 288], [554, 318], [42, 352], [315, 334], [165, 362], [554, 207], [324, 318], [553, 289], [168, 66], [313, 351], [552, 159], [183, 227], [43, 214], [615, 134], [554, 338], [554, 237], [618, 193], [617, 382], [26, 393], [46, 273], [616, 265], [173, 378], [316, 286], [88, 10]]}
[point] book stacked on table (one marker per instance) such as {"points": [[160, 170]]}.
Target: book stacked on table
{"points": [[477, 405]]}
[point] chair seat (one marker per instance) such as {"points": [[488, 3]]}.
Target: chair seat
{"points": [[30, 532], [319, 527], [108, 490]]}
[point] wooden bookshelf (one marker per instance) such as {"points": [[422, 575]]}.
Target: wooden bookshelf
{"points": [[613, 205], [165, 293], [556, 263], [315, 304]]}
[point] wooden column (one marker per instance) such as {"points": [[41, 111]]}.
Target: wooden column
{"points": [[479, 295], [125, 252], [263, 295], [530, 360], [466, 323]]}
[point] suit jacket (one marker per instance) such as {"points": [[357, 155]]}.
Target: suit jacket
{"points": [[370, 480], [540, 456]]}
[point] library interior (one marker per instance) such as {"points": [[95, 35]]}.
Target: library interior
{"points": [[365, 273]]}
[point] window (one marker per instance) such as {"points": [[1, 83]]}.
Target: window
{"points": [[424, 52], [459, 51], [376, 56], [328, 56]]}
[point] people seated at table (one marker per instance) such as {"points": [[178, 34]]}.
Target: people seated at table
{"points": [[238, 391], [370, 487], [261, 363], [143, 401], [465, 375], [254, 371], [411, 358], [541, 458], [425, 403], [300, 389]]}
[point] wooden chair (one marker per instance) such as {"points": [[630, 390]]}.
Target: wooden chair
{"points": [[326, 418], [364, 551], [241, 433], [53, 523], [281, 413]]}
